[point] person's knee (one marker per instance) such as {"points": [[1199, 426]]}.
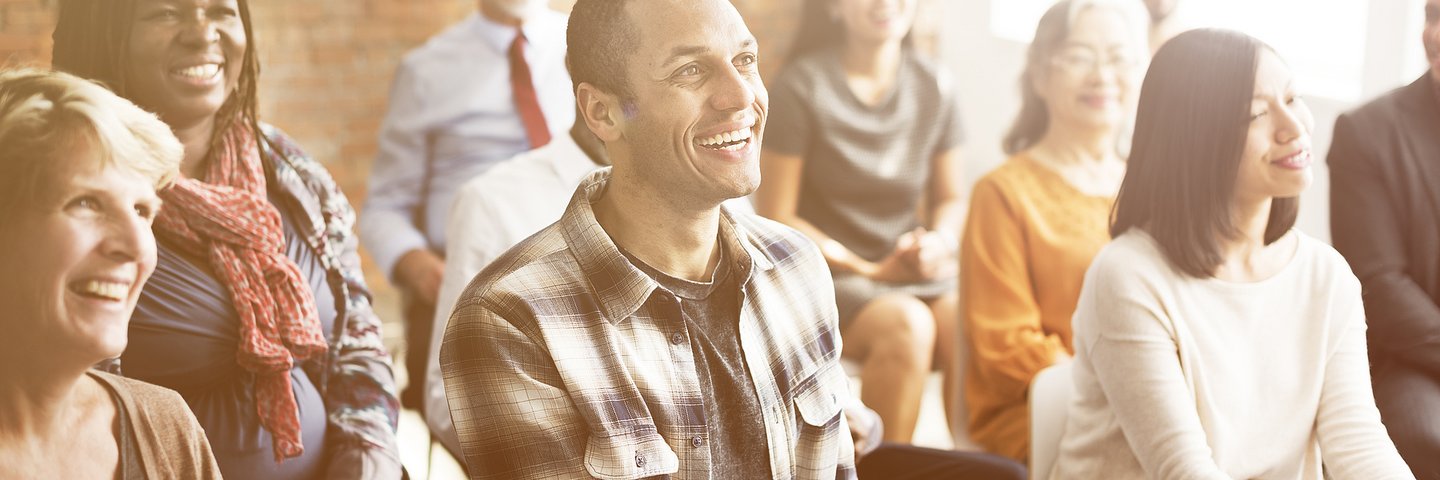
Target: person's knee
{"points": [[911, 321], [946, 308], [947, 326], [907, 330]]}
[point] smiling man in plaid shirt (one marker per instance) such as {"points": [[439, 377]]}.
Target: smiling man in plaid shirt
{"points": [[651, 332]]}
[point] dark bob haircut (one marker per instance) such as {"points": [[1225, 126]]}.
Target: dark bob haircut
{"points": [[1190, 133]]}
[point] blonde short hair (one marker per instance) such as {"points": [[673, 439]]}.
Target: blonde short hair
{"points": [[45, 115]]}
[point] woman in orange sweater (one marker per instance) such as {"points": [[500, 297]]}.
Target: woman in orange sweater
{"points": [[1037, 220]]}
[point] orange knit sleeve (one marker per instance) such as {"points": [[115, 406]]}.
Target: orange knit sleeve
{"points": [[1001, 315]]}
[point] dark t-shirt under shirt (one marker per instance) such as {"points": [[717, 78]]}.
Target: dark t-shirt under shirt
{"points": [[738, 447]]}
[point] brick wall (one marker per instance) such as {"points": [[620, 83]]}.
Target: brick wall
{"points": [[327, 64], [25, 27], [327, 67]]}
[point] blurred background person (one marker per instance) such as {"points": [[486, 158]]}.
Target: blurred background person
{"points": [[1212, 339], [79, 168], [1383, 178], [1165, 21], [257, 313], [862, 157], [1037, 220], [481, 92]]}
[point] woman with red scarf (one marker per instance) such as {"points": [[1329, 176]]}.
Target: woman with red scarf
{"points": [[257, 312]]}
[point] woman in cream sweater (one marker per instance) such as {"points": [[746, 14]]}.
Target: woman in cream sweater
{"points": [[1213, 341]]}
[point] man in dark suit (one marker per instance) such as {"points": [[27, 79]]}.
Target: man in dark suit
{"points": [[1385, 219]]}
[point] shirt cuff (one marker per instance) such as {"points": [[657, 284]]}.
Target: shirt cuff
{"points": [[389, 241]]}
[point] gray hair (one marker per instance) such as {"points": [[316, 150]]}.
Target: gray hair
{"points": [[1034, 119]]}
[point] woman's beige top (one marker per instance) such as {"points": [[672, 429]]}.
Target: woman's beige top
{"points": [[1028, 241], [171, 442], [1184, 377]]}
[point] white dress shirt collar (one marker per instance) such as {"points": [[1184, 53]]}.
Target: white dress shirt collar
{"points": [[499, 36]]}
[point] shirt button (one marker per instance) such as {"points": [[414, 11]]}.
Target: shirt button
{"points": [[639, 460], [696, 442], [677, 338]]}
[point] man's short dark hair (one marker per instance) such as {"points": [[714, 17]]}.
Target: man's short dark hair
{"points": [[600, 37]]}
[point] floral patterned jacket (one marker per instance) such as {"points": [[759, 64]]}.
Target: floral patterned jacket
{"points": [[355, 376]]}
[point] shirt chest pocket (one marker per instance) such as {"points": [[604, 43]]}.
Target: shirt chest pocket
{"points": [[634, 455], [819, 432]]}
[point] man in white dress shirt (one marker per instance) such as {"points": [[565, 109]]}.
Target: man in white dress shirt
{"points": [[479, 93]]}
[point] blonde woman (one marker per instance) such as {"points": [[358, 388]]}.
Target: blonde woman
{"points": [[79, 168]]}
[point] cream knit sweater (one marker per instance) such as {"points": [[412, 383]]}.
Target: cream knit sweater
{"points": [[1184, 378]]}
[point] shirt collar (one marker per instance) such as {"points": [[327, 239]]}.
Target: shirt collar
{"points": [[499, 36], [566, 159], [621, 288]]}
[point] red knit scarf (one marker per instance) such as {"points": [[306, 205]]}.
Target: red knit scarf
{"points": [[227, 217]]}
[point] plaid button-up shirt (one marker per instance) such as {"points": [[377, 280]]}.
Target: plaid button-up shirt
{"points": [[563, 360]]}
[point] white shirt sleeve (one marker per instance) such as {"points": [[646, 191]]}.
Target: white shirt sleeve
{"points": [[471, 242], [387, 223]]}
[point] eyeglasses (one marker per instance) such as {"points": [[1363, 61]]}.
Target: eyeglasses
{"points": [[1081, 60]]}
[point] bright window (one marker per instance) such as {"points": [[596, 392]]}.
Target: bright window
{"points": [[1415, 62], [1016, 19], [1323, 40]]}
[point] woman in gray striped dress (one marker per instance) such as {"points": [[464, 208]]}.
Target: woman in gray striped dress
{"points": [[860, 154]]}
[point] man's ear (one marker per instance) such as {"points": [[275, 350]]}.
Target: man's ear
{"points": [[601, 111]]}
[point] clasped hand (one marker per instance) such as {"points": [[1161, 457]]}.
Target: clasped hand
{"points": [[920, 255]]}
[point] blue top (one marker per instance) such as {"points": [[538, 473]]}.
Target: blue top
{"points": [[184, 336]]}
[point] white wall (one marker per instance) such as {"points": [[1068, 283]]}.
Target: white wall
{"points": [[987, 69]]}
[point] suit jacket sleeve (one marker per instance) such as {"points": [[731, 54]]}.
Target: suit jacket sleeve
{"points": [[1367, 228]]}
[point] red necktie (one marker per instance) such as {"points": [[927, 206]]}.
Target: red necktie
{"points": [[526, 102]]}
